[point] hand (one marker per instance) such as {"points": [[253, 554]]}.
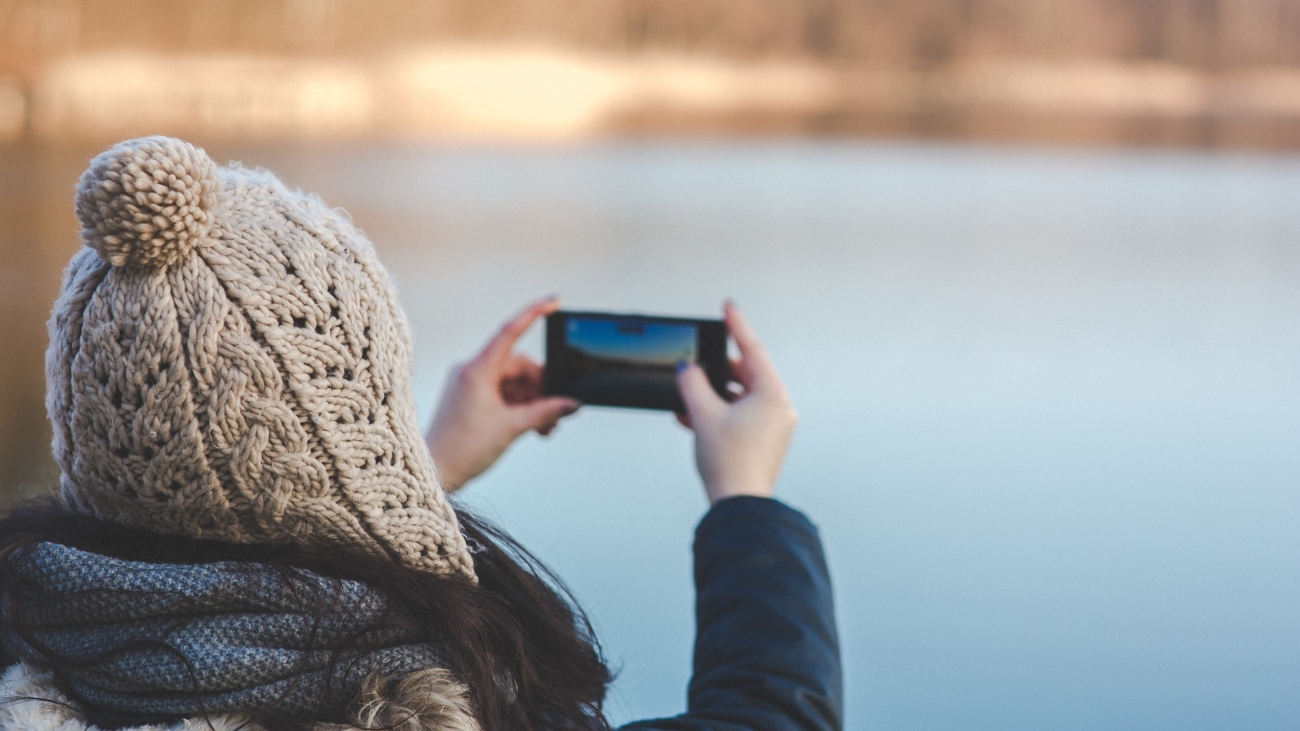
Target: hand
{"points": [[739, 446], [489, 402]]}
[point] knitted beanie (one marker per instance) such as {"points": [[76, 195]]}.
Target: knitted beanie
{"points": [[227, 361]]}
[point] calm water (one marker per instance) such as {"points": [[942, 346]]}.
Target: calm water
{"points": [[1050, 404]]}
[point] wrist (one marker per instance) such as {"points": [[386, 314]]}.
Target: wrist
{"points": [[449, 476], [449, 480], [719, 492]]}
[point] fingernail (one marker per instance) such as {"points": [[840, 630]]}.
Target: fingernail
{"points": [[682, 365], [571, 408]]}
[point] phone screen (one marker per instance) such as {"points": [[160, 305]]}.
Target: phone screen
{"points": [[628, 343], [623, 360]]}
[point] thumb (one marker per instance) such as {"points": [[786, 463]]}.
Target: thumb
{"points": [[543, 412], [701, 400]]}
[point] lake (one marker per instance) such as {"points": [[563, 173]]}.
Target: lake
{"points": [[1049, 398]]}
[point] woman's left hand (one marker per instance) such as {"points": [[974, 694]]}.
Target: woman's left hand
{"points": [[490, 401]]}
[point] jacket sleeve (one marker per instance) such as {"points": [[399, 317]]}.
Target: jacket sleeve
{"points": [[766, 652]]}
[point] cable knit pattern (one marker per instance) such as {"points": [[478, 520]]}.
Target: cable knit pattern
{"points": [[228, 361]]}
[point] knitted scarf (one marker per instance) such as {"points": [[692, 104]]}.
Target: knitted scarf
{"points": [[185, 640]]}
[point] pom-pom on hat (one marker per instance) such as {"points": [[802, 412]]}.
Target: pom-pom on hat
{"points": [[227, 361], [145, 202]]}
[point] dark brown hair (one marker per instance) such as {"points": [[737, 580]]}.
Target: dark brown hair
{"points": [[517, 639]]}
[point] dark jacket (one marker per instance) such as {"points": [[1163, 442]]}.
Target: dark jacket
{"points": [[766, 652]]}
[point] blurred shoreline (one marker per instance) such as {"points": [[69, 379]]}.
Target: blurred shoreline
{"points": [[1198, 73], [539, 93]]}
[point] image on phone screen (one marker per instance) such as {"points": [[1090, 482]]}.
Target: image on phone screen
{"points": [[617, 360], [613, 356]]}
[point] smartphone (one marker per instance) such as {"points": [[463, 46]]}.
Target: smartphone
{"points": [[608, 359]]}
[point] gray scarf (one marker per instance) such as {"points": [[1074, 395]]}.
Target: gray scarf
{"points": [[237, 636]]}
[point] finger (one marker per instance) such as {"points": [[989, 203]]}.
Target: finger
{"points": [[499, 347], [740, 372], [735, 392], [684, 419], [522, 369], [753, 355], [698, 394], [543, 412], [520, 380], [519, 390], [518, 365]]}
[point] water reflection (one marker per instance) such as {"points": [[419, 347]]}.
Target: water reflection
{"points": [[1050, 399]]}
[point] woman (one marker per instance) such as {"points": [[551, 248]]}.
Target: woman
{"points": [[250, 532]]}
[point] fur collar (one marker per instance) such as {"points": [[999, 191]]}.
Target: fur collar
{"points": [[429, 700]]}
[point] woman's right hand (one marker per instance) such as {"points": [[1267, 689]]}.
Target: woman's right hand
{"points": [[739, 446], [490, 402]]}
